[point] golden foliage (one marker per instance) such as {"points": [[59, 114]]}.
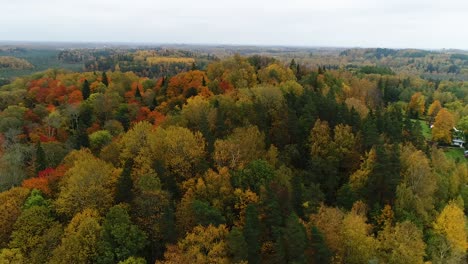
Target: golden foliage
{"points": [[89, 183], [159, 60], [11, 202], [359, 178], [451, 223], [244, 145], [444, 122], [275, 74], [402, 244], [417, 103], [201, 246], [434, 108]]}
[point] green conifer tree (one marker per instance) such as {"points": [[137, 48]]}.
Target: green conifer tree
{"points": [[41, 162], [137, 93], [237, 245], [252, 234], [295, 239], [105, 80], [124, 192], [86, 92], [320, 252]]}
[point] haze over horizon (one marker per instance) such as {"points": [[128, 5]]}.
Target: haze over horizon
{"points": [[336, 23]]}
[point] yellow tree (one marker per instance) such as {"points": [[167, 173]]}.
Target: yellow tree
{"points": [[89, 183], [451, 224], [292, 87], [202, 245], [213, 189], [178, 148], [329, 221], [401, 244], [345, 145], [276, 74], [11, 202], [198, 112], [416, 105], [80, 241], [415, 194], [244, 145], [358, 105], [359, 246], [320, 140], [135, 140], [12, 256], [234, 72], [444, 122], [434, 109], [358, 179]]}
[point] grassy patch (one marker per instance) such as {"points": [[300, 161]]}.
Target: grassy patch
{"points": [[425, 128], [457, 154]]}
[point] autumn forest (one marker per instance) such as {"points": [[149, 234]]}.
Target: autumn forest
{"points": [[207, 154]]}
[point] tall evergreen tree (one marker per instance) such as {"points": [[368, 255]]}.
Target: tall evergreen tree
{"points": [[295, 240], [252, 234], [154, 103], [82, 139], [237, 245], [137, 93], [296, 195], [124, 192], [104, 78], [293, 66], [41, 162], [86, 92], [298, 71], [370, 134], [320, 252], [121, 238], [385, 175]]}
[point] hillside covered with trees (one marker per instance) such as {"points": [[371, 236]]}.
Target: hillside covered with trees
{"points": [[243, 159]]}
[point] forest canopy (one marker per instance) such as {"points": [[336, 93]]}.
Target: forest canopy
{"points": [[175, 157]]}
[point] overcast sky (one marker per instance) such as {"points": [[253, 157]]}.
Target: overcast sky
{"points": [[429, 24]]}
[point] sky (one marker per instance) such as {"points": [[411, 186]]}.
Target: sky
{"points": [[428, 24]]}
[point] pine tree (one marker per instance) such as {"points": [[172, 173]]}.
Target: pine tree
{"points": [[252, 234], [385, 175], [237, 246], [82, 139], [105, 80], [154, 103], [41, 163], [124, 192], [86, 92], [321, 253], [292, 65], [380, 85], [168, 225], [295, 240], [203, 81], [296, 195], [370, 132], [137, 93]]}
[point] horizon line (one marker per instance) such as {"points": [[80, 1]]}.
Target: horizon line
{"points": [[149, 43]]}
